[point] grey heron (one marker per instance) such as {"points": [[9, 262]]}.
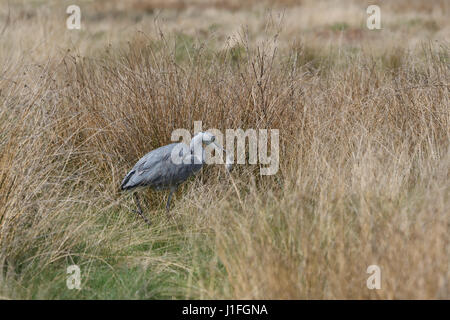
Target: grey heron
{"points": [[168, 166]]}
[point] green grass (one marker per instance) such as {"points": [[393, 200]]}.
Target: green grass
{"points": [[136, 272], [339, 26]]}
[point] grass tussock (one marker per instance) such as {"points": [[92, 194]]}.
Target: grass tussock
{"points": [[363, 175]]}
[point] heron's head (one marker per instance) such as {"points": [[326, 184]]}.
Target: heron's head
{"points": [[208, 138]]}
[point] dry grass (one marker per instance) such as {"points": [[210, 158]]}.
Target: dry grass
{"points": [[364, 157]]}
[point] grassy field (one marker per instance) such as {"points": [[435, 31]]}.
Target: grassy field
{"points": [[363, 117]]}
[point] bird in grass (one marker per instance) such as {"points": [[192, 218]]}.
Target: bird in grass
{"points": [[168, 166]]}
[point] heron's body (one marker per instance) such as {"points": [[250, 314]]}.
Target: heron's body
{"points": [[158, 170]]}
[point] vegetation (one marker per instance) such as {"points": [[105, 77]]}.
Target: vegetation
{"points": [[364, 151]]}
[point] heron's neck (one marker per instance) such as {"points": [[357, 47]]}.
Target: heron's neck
{"points": [[196, 147], [196, 144]]}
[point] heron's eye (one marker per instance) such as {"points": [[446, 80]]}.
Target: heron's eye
{"points": [[213, 138]]}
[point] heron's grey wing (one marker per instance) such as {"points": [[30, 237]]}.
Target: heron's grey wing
{"points": [[153, 169], [166, 172]]}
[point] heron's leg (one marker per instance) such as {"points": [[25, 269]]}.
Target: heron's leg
{"points": [[139, 209], [172, 191]]}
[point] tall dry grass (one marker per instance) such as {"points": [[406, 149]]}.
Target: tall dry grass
{"points": [[363, 173]]}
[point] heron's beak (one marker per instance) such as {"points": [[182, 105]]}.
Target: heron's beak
{"points": [[229, 161]]}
